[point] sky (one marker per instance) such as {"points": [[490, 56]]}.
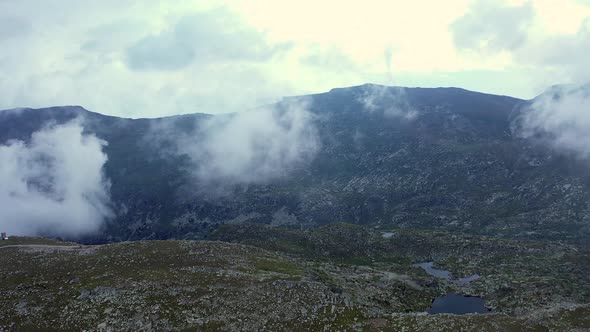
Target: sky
{"points": [[140, 58]]}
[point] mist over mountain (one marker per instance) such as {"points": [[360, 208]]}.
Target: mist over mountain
{"points": [[54, 184], [436, 158]]}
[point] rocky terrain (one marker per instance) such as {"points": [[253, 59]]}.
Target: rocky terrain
{"points": [[388, 178], [446, 158], [339, 277]]}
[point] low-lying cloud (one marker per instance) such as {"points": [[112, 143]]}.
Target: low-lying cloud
{"points": [[254, 146], [562, 117], [54, 184], [391, 101]]}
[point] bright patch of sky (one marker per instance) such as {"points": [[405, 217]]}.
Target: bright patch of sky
{"points": [[140, 58]]}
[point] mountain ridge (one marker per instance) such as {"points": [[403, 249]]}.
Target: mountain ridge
{"points": [[442, 158], [338, 89]]}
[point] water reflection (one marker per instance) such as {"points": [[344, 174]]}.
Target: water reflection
{"points": [[458, 304]]}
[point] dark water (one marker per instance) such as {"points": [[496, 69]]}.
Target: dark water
{"points": [[458, 305]]}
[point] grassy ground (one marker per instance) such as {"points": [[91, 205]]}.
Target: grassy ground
{"points": [[335, 278]]}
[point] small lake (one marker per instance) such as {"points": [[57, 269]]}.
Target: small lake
{"points": [[388, 235], [458, 304], [428, 267], [444, 274]]}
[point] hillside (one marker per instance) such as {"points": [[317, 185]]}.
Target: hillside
{"points": [[442, 158]]}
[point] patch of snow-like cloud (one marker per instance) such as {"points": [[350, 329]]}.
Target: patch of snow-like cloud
{"points": [[54, 184], [250, 147], [560, 117], [392, 102]]}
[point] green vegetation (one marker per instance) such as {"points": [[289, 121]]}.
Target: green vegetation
{"points": [[277, 266], [339, 277]]}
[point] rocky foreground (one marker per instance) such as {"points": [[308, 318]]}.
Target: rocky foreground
{"points": [[338, 277]]}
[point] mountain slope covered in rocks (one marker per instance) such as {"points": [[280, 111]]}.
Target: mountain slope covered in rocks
{"points": [[444, 158]]}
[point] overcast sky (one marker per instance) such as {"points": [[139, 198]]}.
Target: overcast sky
{"points": [[144, 58]]}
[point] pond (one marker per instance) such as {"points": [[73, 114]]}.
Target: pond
{"points": [[428, 267], [444, 274], [458, 304]]}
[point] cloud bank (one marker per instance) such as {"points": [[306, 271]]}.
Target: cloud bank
{"points": [[546, 44], [210, 37], [562, 117], [54, 184], [492, 26], [137, 58]]}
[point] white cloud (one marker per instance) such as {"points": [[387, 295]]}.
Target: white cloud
{"points": [[564, 56], [543, 43], [255, 146], [210, 37], [137, 59], [244, 148], [54, 184], [391, 101], [140, 58], [491, 26], [561, 116]]}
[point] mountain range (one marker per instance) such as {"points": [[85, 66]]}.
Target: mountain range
{"points": [[447, 159]]}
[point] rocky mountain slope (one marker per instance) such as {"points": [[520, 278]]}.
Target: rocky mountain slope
{"points": [[444, 158]]}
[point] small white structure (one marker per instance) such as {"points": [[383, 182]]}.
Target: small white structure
{"points": [[3, 236]]}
